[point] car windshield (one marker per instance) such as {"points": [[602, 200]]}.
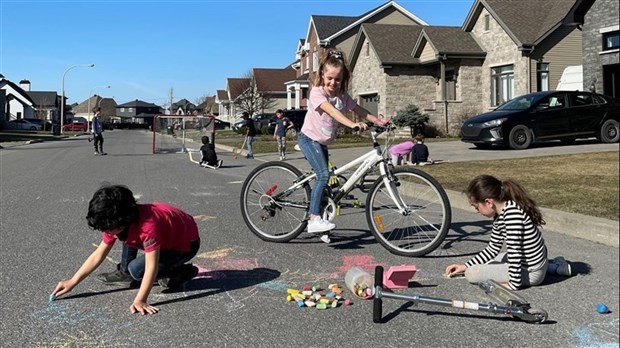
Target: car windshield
{"points": [[520, 103]]}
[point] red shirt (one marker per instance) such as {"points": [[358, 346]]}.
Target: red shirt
{"points": [[159, 225]]}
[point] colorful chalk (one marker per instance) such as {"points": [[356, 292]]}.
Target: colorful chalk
{"points": [[52, 298]]}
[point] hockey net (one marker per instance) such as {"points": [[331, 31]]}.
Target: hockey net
{"points": [[180, 133]]}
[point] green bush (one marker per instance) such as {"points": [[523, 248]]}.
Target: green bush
{"points": [[411, 116]]}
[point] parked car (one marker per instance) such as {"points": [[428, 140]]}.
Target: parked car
{"points": [[260, 121], [76, 127], [296, 116], [219, 124], [24, 124], [45, 125], [542, 116]]}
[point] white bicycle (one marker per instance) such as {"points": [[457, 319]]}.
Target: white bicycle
{"points": [[407, 210]]}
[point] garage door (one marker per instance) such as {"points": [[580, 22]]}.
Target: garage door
{"points": [[370, 102]]}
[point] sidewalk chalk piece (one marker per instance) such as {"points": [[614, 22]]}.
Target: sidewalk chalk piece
{"points": [[52, 298]]}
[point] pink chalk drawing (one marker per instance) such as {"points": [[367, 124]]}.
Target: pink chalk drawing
{"points": [[237, 264], [365, 262]]}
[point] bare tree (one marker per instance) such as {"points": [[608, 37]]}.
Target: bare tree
{"points": [[201, 99], [249, 98]]}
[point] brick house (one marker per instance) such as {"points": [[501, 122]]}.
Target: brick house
{"points": [[338, 32], [453, 73], [601, 50]]}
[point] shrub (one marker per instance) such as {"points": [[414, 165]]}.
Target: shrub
{"points": [[412, 117]]}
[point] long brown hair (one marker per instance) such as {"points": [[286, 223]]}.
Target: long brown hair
{"points": [[333, 58], [487, 186]]}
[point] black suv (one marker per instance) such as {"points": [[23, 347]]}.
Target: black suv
{"points": [[296, 116]]}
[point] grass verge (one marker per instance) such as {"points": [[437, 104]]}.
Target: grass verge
{"points": [[582, 183]]}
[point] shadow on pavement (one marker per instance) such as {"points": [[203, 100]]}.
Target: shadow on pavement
{"points": [[222, 281]]}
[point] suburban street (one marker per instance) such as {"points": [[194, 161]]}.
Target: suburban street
{"points": [[239, 296]]}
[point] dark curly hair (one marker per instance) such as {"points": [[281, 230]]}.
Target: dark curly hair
{"points": [[112, 207]]}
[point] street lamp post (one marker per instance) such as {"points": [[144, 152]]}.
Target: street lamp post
{"points": [[88, 119], [62, 88]]}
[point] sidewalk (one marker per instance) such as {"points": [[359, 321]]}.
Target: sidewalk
{"points": [[591, 228]]}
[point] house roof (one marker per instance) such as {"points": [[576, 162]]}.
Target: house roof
{"points": [[392, 43], [221, 95], [329, 27], [272, 80], [528, 22], [22, 94], [43, 98], [449, 40], [137, 103], [237, 85]]}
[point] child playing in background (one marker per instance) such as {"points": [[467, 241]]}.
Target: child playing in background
{"points": [[401, 153], [419, 152], [516, 222], [209, 157], [327, 102], [283, 124], [168, 236]]}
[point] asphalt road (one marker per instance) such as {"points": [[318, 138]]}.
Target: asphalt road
{"points": [[238, 300]]}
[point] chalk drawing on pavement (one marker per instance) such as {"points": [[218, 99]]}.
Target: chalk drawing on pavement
{"points": [[598, 335], [79, 339]]}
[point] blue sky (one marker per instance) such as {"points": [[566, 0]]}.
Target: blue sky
{"points": [[143, 49]]}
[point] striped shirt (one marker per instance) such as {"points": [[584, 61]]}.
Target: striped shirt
{"points": [[525, 246]]}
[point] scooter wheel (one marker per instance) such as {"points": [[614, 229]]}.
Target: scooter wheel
{"points": [[538, 315]]}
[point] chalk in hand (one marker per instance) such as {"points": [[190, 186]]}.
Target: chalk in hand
{"points": [[52, 298]]}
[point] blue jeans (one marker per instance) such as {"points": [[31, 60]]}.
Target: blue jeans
{"points": [[249, 142], [317, 155], [169, 261]]}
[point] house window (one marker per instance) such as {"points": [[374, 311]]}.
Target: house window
{"points": [[130, 110], [486, 22], [611, 40], [502, 84], [367, 48], [542, 76], [307, 62], [122, 109], [315, 60]]}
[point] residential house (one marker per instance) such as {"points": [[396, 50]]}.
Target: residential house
{"points": [[454, 73], [601, 48], [137, 111], [183, 107], [85, 108], [235, 87], [338, 32], [207, 107], [270, 89], [16, 102], [223, 105]]}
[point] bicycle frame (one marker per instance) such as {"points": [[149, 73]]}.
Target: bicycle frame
{"points": [[365, 163]]}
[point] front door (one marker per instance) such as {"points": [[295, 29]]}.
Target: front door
{"points": [[611, 80]]}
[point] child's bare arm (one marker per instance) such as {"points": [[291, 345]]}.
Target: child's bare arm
{"points": [[92, 262], [340, 117], [150, 275]]}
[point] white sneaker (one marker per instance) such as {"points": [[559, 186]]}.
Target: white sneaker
{"points": [[318, 225], [563, 267], [325, 239]]}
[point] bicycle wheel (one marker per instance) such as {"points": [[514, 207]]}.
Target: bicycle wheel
{"points": [[425, 224], [269, 212]]}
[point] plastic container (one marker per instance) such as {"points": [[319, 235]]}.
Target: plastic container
{"points": [[360, 283]]}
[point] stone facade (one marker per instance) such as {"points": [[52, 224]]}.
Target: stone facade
{"points": [[602, 15]]}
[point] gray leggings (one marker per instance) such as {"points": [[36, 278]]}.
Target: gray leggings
{"points": [[497, 270]]}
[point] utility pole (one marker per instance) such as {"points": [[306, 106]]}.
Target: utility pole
{"points": [[171, 96]]}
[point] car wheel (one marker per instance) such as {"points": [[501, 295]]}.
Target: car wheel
{"points": [[520, 137], [33, 128], [292, 133], [609, 132]]}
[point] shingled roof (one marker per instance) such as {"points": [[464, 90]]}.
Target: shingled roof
{"points": [[450, 40], [136, 103], [272, 80], [221, 95], [43, 98], [392, 43], [237, 85], [327, 26], [527, 22]]}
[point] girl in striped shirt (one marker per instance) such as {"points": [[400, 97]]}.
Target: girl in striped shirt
{"points": [[516, 224]]}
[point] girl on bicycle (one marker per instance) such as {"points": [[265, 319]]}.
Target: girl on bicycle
{"points": [[516, 223], [327, 102]]}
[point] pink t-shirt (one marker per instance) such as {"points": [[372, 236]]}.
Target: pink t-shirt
{"points": [[319, 125], [159, 225], [402, 149]]}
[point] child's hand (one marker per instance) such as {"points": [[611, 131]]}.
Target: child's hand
{"points": [[455, 268], [63, 287], [142, 308]]}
